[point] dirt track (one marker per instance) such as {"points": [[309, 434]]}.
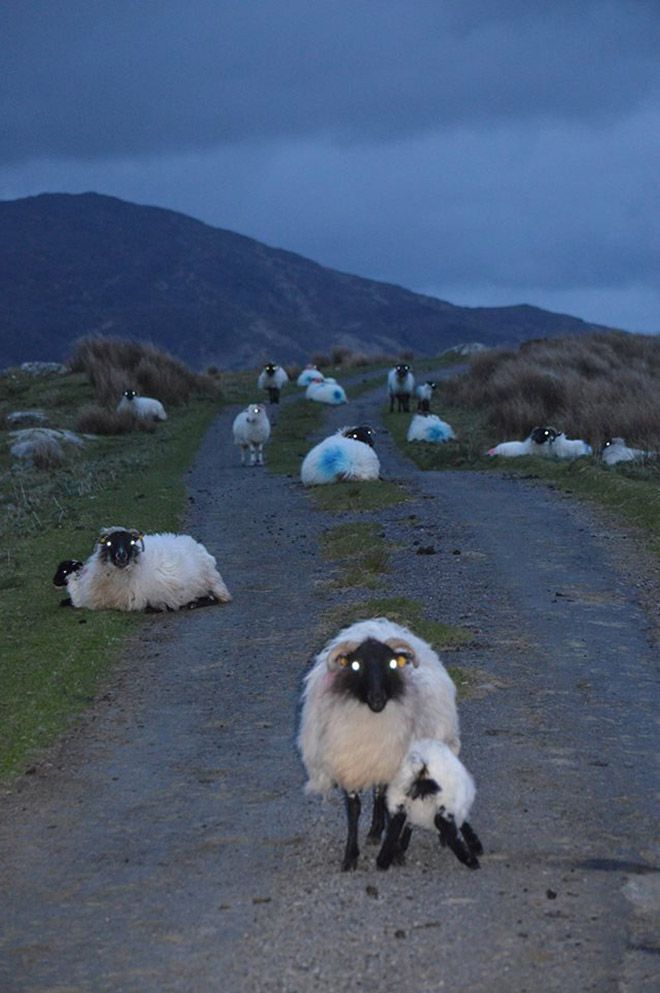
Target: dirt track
{"points": [[167, 845]]}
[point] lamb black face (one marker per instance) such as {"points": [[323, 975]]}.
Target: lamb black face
{"points": [[64, 570], [120, 548], [372, 674], [361, 433]]}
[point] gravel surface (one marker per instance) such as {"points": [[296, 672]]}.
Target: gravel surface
{"points": [[166, 845]]}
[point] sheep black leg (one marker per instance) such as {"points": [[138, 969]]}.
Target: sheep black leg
{"points": [[471, 839], [378, 817], [67, 602], [449, 836], [391, 847], [353, 807]]}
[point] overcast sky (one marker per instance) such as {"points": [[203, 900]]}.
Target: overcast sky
{"points": [[483, 151]]}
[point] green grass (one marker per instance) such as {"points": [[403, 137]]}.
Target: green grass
{"points": [[358, 547], [53, 659], [289, 445], [356, 497]]}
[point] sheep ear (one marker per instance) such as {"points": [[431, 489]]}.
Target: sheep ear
{"points": [[402, 649], [337, 658]]}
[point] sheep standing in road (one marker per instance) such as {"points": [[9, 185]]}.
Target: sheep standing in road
{"points": [[400, 386], [251, 431], [347, 455], [132, 571], [372, 690], [432, 790], [272, 378], [144, 407], [429, 427]]}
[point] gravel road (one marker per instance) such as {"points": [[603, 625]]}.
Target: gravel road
{"points": [[166, 845]]}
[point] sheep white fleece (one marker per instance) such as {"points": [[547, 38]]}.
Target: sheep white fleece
{"points": [[172, 570], [275, 380], [562, 447], [336, 459], [251, 431], [344, 743], [145, 407], [429, 427], [514, 449], [616, 450], [329, 391], [309, 375], [457, 789], [396, 386]]}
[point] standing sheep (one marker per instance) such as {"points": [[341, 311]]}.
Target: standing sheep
{"points": [[371, 691], [251, 430], [272, 378], [346, 455], [432, 790], [145, 407], [132, 571], [424, 394], [400, 386], [429, 427]]}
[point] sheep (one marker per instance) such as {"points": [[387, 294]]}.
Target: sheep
{"points": [[400, 386], [432, 790], [251, 430], [346, 455], [561, 447], [310, 374], [145, 407], [372, 690], [424, 394], [615, 450], [129, 570], [532, 445], [272, 378], [429, 427], [328, 391]]}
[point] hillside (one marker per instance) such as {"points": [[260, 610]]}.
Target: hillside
{"points": [[72, 265]]}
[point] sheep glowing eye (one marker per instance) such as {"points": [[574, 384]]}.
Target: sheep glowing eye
{"points": [[399, 662], [355, 665], [108, 544], [394, 664]]}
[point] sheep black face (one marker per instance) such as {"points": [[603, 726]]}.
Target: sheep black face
{"points": [[542, 435], [270, 368], [120, 548], [129, 394], [64, 570], [372, 674], [361, 433], [402, 370]]}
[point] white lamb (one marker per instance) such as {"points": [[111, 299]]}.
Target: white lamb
{"points": [[536, 443], [145, 407], [372, 690], [615, 450], [346, 455], [310, 374], [251, 431], [132, 571], [328, 391], [424, 394], [432, 790], [272, 378], [561, 447], [400, 386], [429, 427]]}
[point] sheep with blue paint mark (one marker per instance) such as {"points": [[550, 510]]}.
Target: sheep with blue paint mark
{"points": [[431, 428], [129, 570], [328, 391], [345, 456], [431, 790], [372, 690], [272, 378], [310, 374]]}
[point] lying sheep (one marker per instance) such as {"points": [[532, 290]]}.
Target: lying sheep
{"points": [[251, 431], [615, 450], [132, 571], [144, 407], [561, 447], [432, 790], [429, 427], [347, 455], [310, 374], [327, 391], [400, 386], [532, 445], [272, 378], [372, 690], [424, 394]]}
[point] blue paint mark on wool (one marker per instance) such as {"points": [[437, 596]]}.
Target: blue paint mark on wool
{"points": [[333, 462], [337, 395], [436, 432]]}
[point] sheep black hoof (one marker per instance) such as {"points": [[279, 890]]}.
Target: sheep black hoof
{"points": [[349, 864], [66, 602], [472, 862]]}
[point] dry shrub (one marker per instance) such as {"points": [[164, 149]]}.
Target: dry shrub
{"points": [[320, 359], [94, 419], [47, 454], [114, 365], [592, 387]]}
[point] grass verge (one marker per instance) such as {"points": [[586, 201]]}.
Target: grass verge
{"points": [[360, 551]]}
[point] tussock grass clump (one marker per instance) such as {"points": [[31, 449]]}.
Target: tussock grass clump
{"points": [[94, 419], [114, 365], [593, 386]]}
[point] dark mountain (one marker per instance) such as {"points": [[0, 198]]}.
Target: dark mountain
{"points": [[78, 265]]}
